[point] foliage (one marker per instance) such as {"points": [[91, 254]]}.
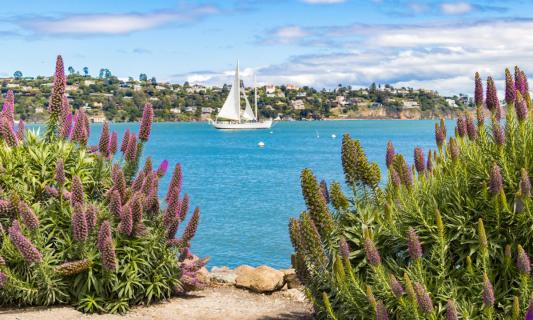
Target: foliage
{"points": [[448, 238], [81, 226]]}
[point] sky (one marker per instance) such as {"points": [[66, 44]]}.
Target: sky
{"points": [[433, 44]]}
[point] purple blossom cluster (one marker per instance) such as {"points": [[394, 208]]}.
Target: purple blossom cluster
{"points": [[495, 180], [423, 299], [523, 263], [24, 246], [29, 218], [389, 158], [413, 245], [372, 254], [146, 122], [77, 194], [80, 230], [344, 248], [420, 163], [106, 247], [488, 292]]}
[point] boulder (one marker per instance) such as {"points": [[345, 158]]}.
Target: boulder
{"points": [[222, 275], [291, 279], [243, 269], [263, 279]]}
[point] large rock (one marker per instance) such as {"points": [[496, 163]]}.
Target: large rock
{"points": [[291, 279], [222, 275], [262, 279]]}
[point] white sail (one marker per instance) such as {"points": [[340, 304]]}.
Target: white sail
{"points": [[248, 113], [231, 109]]}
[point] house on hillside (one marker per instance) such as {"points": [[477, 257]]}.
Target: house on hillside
{"points": [[451, 103], [410, 104], [270, 89], [298, 104]]}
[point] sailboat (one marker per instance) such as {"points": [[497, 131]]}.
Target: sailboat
{"points": [[232, 117]]}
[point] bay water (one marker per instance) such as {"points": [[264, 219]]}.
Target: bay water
{"points": [[246, 193]]}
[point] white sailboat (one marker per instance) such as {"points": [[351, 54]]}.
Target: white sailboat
{"points": [[232, 117]]}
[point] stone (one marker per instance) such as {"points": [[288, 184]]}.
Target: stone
{"points": [[222, 275], [291, 279], [243, 269], [262, 279]]}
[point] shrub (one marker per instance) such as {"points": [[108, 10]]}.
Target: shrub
{"points": [[79, 226], [449, 237]]}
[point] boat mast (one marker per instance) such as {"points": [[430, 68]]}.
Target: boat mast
{"points": [[255, 101], [237, 92]]}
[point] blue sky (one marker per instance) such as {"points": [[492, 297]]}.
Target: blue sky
{"points": [[432, 44]]}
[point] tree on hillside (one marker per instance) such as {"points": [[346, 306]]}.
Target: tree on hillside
{"points": [[17, 74], [101, 73], [143, 77], [71, 70], [86, 71], [154, 81]]}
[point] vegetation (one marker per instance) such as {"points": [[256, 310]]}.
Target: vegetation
{"points": [[448, 238], [80, 225], [119, 100]]}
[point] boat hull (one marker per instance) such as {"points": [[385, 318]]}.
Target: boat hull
{"points": [[243, 125]]}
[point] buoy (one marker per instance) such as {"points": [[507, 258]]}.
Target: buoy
{"points": [[334, 136], [261, 144]]}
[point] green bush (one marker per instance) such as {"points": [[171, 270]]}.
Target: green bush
{"points": [[449, 237], [77, 227]]}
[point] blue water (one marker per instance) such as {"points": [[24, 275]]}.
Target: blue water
{"points": [[246, 193]]}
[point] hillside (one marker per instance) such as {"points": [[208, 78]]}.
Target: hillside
{"points": [[107, 97]]}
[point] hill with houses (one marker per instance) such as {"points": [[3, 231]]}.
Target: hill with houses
{"points": [[107, 97]]}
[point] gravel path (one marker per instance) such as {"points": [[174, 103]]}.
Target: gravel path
{"points": [[209, 304]]}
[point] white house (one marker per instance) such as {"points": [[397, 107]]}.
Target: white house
{"points": [[298, 104], [410, 104], [451, 103]]}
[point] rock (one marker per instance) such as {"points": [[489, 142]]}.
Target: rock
{"points": [[291, 279], [222, 275], [203, 275], [292, 294], [243, 269], [262, 279]]}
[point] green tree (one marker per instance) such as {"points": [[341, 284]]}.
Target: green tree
{"points": [[17, 74]]}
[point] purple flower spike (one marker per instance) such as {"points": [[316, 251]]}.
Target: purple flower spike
{"points": [[498, 134], [451, 311], [478, 92], [26, 248], [60, 172], [440, 135], [372, 254], [80, 230], [396, 287], [28, 216], [390, 154], [184, 207], [113, 143], [521, 108], [493, 103], [58, 90], [103, 145], [8, 109], [126, 221], [20, 130], [510, 93], [381, 311], [190, 229], [131, 150], [66, 127], [495, 180], [174, 187], [91, 214], [125, 141], [115, 203], [106, 247], [523, 264], [395, 178], [7, 132], [413, 244], [420, 164], [76, 191], [471, 128], [146, 122], [344, 248], [461, 126], [163, 167], [423, 299], [488, 292], [519, 80]]}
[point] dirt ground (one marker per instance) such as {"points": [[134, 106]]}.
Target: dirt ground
{"points": [[209, 304]]}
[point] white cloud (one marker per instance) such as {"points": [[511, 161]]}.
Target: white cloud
{"points": [[286, 35], [323, 1], [456, 8], [110, 24], [440, 57]]}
